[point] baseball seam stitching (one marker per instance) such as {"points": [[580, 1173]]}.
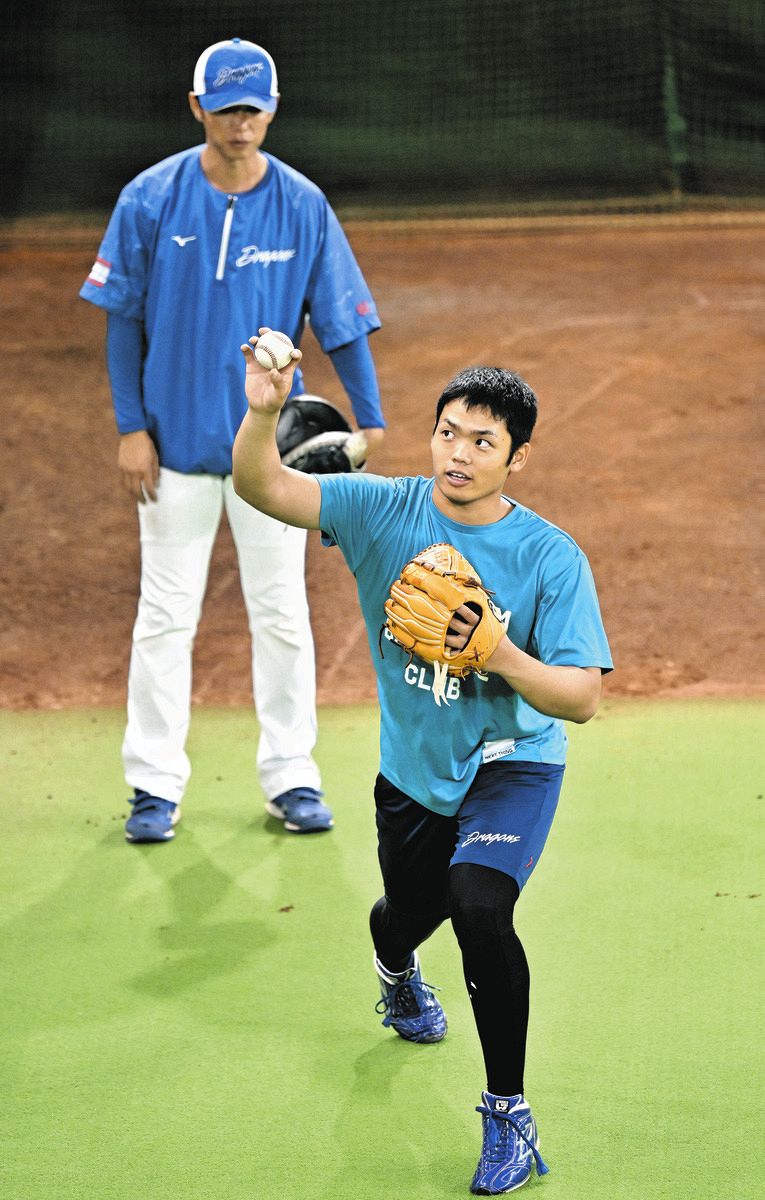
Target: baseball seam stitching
{"points": [[270, 353]]}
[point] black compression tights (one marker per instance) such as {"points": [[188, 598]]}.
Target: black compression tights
{"points": [[496, 972]]}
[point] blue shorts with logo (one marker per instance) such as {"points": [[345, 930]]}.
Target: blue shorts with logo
{"points": [[503, 823]]}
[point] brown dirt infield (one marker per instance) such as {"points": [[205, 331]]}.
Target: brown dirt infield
{"points": [[643, 341]]}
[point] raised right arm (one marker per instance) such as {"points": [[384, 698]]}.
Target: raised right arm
{"points": [[258, 474]]}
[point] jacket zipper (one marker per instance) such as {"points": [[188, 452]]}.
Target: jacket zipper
{"points": [[225, 236]]}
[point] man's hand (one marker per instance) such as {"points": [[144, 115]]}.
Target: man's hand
{"points": [[266, 391], [461, 627], [374, 439], [139, 465]]}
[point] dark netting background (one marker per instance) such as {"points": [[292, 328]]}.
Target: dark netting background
{"points": [[402, 102]]}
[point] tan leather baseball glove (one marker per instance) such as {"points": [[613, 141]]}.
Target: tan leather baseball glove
{"points": [[422, 603]]}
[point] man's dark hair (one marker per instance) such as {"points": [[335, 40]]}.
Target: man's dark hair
{"points": [[507, 397]]}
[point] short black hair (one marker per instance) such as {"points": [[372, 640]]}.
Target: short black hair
{"points": [[507, 397]]}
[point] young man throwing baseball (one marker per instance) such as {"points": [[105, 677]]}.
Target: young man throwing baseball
{"points": [[471, 764]]}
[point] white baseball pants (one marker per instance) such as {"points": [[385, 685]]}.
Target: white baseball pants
{"points": [[177, 536]]}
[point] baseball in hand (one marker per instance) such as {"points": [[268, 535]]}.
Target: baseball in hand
{"points": [[274, 349]]}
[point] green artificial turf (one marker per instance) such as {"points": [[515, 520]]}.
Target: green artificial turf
{"points": [[196, 1020]]}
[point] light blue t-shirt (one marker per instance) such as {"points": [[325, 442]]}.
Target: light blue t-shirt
{"points": [[542, 585], [202, 271]]}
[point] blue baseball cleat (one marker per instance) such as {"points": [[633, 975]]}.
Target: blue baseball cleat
{"points": [[409, 1005], [510, 1146], [301, 810], [152, 819]]}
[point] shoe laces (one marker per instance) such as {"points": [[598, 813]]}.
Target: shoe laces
{"points": [[406, 999], [502, 1147], [145, 804], [297, 800]]}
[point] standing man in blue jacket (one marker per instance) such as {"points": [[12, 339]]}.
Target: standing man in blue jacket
{"points": [[200, 249]]}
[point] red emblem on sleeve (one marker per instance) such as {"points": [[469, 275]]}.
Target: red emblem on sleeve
{"points": [[99, 272]]}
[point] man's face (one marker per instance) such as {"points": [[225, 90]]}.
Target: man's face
{"points": [[470, 450], [235, 133]]}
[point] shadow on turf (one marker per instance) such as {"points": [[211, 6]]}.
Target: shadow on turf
{"points": [[389, 1150], [197, 948]]}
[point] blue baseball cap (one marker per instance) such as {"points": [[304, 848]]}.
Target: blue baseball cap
{"points": [[236, 72]]}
